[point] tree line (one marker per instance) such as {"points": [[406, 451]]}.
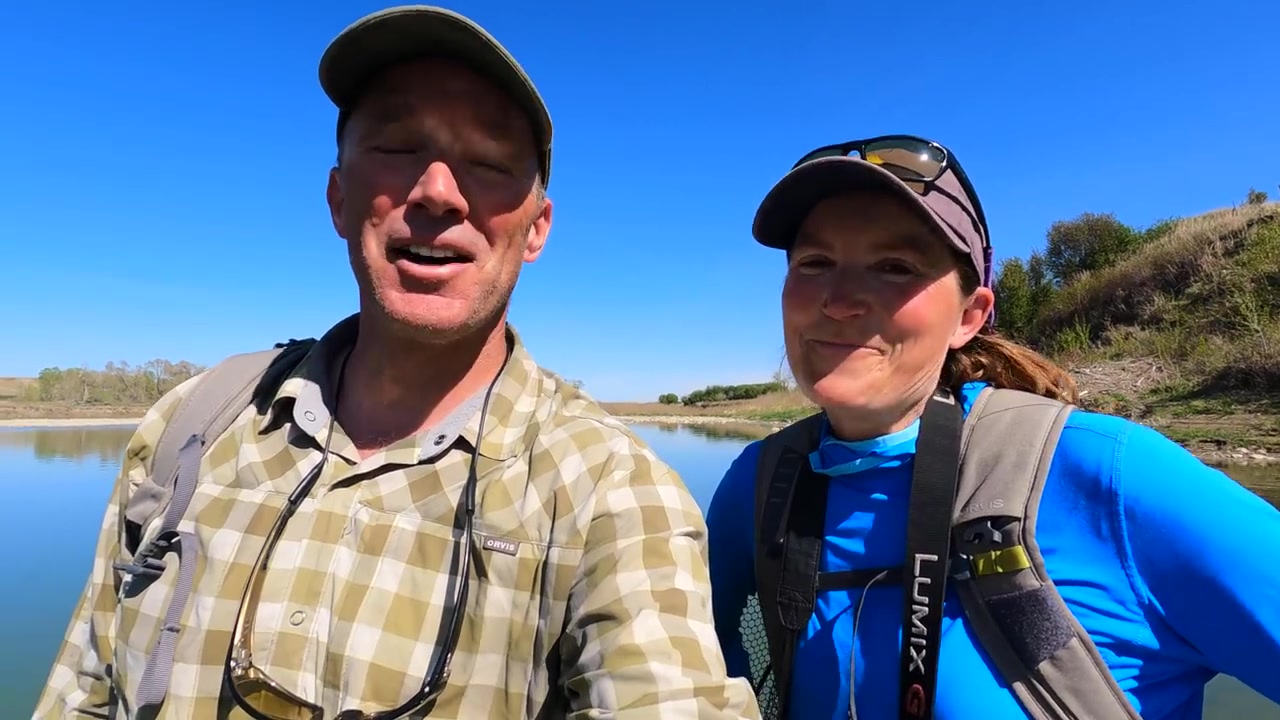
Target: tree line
{"points": [[120, 383], [115, 384], [721, 393]]}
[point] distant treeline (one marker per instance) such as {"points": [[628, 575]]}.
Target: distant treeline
{"points": [[115, 384], [118, 383], [721, 393]]}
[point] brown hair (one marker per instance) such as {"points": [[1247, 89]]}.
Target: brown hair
{"points": [[1002, 362]]}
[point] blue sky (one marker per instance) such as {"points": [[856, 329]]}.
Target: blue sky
{"points": [[164, 171]]}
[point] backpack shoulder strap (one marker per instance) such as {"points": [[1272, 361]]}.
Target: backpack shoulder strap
{"points": [[790, 503], [1016, 612], [217, 400], [214, 402], [201, 417]]}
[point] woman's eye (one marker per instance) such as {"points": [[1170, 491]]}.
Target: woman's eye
{"points": [[895, 267], [813, 263]]}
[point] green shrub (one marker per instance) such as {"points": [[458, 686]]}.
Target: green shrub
{"points": [[1088, 243]]}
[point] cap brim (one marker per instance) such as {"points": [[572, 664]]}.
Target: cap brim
{"points": [[404, 33], [790, 201]]}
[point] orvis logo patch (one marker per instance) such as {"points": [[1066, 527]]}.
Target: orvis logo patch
{"points": [[506, 547]]}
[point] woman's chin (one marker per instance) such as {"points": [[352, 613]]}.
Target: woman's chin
{"points": [[834, 391], [852, 382]]}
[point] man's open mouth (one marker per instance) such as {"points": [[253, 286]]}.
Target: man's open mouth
{"points": [[422, 255]]}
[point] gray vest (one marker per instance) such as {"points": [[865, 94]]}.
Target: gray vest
{"points": [[999, 459]]}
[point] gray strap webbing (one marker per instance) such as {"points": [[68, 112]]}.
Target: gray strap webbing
{"points": [[1020, 619], [154, 684], [210, 408], [201, 418]]}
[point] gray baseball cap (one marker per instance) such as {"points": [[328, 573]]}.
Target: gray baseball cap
{"points": [[947, 206], [408, 31]]}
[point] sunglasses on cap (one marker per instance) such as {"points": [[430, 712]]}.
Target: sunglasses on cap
{"points": [[916, 161]]}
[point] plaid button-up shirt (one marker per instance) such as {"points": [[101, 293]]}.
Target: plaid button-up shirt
{"points": [[589, 595]]}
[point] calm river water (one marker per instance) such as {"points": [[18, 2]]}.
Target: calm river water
{"points": [[56, 482]]}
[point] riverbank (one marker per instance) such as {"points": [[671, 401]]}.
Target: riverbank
{"points": [[29, 411], [67, 422], [1218, 429], [1193, 435], [50, 414]]}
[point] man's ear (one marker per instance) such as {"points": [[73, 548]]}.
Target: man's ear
{"points": [[538, 231], [334, 197]]}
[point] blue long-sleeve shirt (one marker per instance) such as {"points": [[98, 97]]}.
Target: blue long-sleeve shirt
{"points": [[1172, 567]]}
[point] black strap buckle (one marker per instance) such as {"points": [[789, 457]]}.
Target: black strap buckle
{"points": [[149, 562], [143, 566]]}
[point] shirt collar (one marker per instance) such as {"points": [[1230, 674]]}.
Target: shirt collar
{"points": [[307, 394]]}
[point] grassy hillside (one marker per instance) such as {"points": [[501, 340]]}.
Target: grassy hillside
{"points": [[1182, 331], [1203, 301]]}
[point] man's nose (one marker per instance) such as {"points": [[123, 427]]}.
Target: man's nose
{"points": [[437, 191]]}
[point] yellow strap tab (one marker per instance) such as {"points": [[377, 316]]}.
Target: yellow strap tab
{"points": [[1001, 561]]}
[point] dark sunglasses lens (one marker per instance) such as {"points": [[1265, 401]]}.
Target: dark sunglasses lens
{"points": [[913, 161], [910, 160]]}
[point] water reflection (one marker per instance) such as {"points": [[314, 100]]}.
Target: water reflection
{"points": [[744, 431], [103, 445], [1262, 479]]}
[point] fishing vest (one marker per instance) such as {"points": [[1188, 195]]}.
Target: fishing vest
{"points": [[975, 495]]}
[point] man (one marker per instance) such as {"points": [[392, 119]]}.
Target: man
{"points": [[409, 516]]}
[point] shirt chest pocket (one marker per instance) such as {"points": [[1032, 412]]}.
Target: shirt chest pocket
{"points": [[380, 616]]}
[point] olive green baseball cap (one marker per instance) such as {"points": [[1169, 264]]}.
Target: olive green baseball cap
{"points": [[405, 32]]}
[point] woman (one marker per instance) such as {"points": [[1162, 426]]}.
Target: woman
{"points": [[1111, 580]]}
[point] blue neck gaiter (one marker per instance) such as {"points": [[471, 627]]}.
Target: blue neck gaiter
{"points": [[836, 457]]}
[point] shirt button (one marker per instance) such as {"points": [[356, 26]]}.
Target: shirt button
{"points": [[297, 618]]}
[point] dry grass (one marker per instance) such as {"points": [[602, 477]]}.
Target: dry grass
{"points": [[12, 388], [653, 408], [11, 410], [773, 406]]}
